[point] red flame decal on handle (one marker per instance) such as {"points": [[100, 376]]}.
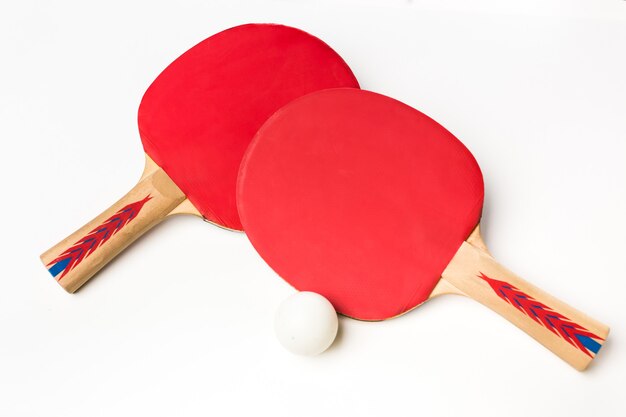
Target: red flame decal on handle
{"points": [[557, 323], [75, 254]]}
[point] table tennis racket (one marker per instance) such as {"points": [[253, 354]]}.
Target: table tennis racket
{"points": [[195, 122], [372, 204]]}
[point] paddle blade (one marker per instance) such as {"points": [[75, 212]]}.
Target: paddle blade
{"points": [[198, 117], [360, 198]]}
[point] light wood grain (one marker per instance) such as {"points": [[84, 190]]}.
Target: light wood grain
{"points": [[463, 276], [166, 199]]}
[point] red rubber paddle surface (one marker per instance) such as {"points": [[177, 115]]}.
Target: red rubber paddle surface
{"points": [[360, 198], [198, 117]]}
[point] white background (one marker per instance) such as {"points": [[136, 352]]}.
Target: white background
{"points": [[181, 324]]}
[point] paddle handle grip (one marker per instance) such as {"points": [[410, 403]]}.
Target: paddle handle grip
{"points": [[573, 336], [77, 258]]}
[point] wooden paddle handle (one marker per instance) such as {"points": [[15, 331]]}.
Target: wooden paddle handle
{"points": [[570, 334], [79, 256]]}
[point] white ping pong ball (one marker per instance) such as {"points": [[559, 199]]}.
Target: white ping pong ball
{"points": [[306, 323]]}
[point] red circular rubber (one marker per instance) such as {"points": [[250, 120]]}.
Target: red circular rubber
{"points": [[198, 117], [360, 198]]}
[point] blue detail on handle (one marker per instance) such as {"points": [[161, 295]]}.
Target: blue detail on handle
{"points": [[58, 267], [589, 343]]}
